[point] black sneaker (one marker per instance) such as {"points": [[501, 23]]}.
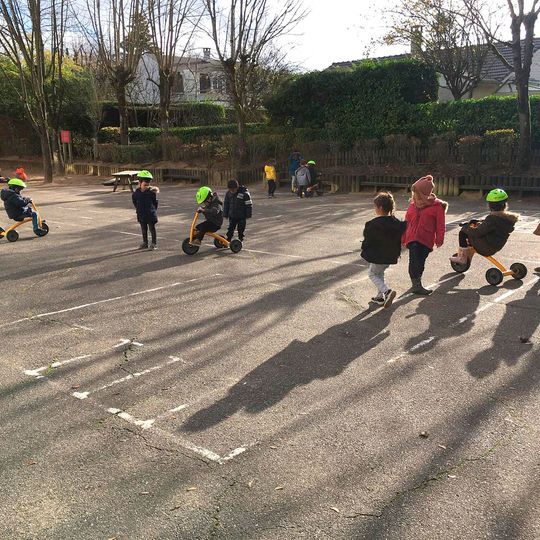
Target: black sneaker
{"points": [[152, 247], [389, 296], [379, 300], [144, 245]]}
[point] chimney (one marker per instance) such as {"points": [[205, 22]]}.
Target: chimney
{"points": [[206, 53], [416, 40]]}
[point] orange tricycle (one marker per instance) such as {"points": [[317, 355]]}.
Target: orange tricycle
{"points": [[219, 241]]}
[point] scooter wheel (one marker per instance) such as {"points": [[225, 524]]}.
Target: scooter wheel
{"points": [[1, 231], [458, 267], [219, 244], [12, 236], [494, 276], [236, 246], [520, 270], [43, 231], [189, 249]]}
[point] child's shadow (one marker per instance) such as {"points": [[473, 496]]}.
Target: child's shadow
{"points": [[511, 338], [323, 356], [450, 313]]}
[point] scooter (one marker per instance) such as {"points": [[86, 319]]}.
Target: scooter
{"points": [[219, 241], [12, 235]]}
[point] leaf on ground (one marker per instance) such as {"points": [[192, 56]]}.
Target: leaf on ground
{"points": [[452, 476], [442, 446], [192, 488], [114, 537], [145, 493], [273, 447], [250, 483], [31, 463], [278, 488], [336, 510], [75, 386]]}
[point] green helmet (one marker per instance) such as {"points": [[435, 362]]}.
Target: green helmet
{"points": [[145, 174], [202, 194], [497, 195], [311, 162], [17, 182]]}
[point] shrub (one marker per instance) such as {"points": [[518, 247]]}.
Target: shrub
{"points": [[133, 153], [470, 150]]}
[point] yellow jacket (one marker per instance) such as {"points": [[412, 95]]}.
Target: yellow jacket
{"points": [[270, 172]]}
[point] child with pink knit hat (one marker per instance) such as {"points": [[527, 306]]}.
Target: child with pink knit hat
{"points": [[426, 226]]}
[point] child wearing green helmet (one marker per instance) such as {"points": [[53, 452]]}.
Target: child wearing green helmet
{"points": [[146, 205], [210, 205], [491, 233], [18, 207]]}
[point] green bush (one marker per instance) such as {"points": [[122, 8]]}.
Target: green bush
{"points": [[133, 153], [470, 150]]}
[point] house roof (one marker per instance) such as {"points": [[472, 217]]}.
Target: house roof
{"points": [[494, 69]]}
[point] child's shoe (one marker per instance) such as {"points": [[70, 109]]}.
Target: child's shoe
{"points": [[462, 256], [418, 288], [379, 300], [152, 247], [389, 296], [144, 245], [195, 242]]}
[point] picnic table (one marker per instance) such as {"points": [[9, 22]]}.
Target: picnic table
{"points": [[126, 178]]}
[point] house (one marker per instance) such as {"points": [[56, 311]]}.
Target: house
{"points": [[497, 79], [198, 79]]}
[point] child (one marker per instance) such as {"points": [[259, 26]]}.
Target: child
{"points": [[270, 172], [210, 206], [146, 203], [17, 206], [315, 182], [382, 245], [425, 228], [237, 208], [537, 233], [19, 173], [491, 234], [294, 162], [302, 179]]}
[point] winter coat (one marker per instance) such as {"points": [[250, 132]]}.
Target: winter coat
{"points": [[382, 240], [426, 225], [294, 163], [302, 177], [314, 175], [238, 205], [491, 235], [213, 212], [146, 204], [14, 203]]}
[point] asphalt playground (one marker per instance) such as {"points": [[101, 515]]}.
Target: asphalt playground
{"points": [[260, 394]]}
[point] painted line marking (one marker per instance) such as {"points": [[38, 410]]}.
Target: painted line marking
{"points": [[84, 395], [483, 308], [104, 301], [179, 408], [128, 342], [37, 372], [144, 424]]}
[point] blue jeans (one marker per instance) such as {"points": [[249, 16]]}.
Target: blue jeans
{"points": [[302, 189], [30, 212]]}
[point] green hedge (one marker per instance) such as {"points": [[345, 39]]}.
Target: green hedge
{"points": [[181, 114], [188, 135]]}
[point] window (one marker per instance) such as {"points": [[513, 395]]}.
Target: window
{"points": [[178, 84], [204, 81]]}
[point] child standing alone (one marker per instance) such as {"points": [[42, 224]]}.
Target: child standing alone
{"points": [[425, 228], [146, 204], [270, 173], [237, 208], [381, 246]]}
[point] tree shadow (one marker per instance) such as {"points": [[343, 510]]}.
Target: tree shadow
{"points": [[511, 338]]}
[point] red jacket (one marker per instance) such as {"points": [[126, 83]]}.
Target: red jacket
{"points": [[426, 226]]}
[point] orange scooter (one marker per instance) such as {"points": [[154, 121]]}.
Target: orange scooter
{"points": [[219, 241], [494, 276], [12, 235]]}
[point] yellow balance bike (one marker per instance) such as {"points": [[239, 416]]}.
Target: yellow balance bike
{"points": [[12, 235], [494, 276], [219, 241]]}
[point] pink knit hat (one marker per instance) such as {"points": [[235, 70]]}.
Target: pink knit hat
{"points": [[423, 191]]}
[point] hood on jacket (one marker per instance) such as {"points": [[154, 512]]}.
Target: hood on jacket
{"points": [[7, 193], [154, 189], [510, 216]]}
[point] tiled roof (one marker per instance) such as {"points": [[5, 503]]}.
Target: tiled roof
{"points": [[494, 69]]}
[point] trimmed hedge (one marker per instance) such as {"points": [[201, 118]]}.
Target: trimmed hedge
{"points": [[181, 114], [188, 135]]}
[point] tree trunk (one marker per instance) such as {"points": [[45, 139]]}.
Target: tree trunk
{"points": [[524, 114], [164, 104], [56, 147], [122, 112], [47, 157], [242, 146]]}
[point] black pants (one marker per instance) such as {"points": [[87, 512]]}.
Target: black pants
{"points": [[302, 189], [271, 187], [463, 239], [144, 229], [418, 253], [233, 222], [204, 227]]}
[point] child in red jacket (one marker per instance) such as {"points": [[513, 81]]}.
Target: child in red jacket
{"points": [[426, 226]]}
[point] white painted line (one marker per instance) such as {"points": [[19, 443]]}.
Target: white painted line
{"points": [[106, 300], [179, 408], [130, 233], [268, 217], [234, 453], [124, 342], [483, 308], [84, 395], [86, 217], [36, 372], [144, 424]]}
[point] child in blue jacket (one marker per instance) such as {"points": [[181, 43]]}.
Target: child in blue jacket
{"points": [[237, 208], [146, 204]]}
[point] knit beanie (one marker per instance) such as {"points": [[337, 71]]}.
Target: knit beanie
{"points": [[423, 191]]}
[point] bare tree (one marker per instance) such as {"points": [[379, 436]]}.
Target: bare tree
{"points": [[120, 35], [33, 40], [242, 33], [440, 34], [172, 25], [522, 23]]}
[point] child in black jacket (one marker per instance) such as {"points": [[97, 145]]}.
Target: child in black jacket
{"points": [[146, 203], [210, 206], [237, 209], [382, 245]]}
